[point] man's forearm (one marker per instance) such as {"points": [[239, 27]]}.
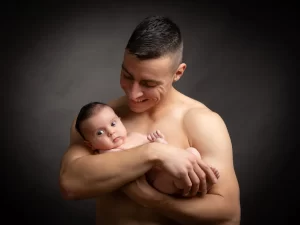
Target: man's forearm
{"points": [[92, 175], [210, 209]]}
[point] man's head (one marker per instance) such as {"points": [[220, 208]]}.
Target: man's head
{"points": [[152, 62], [100, 127]]}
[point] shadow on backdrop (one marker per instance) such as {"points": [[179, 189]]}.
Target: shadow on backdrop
{"points": [[240, 63]]}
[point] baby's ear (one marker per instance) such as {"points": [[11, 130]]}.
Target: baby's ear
{"points": [[87, 143]]}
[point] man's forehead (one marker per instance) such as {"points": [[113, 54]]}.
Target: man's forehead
{"points": [[149, 69], [163, 61]]}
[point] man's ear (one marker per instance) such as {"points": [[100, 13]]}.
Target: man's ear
{"points": [[179, 72], [88, 144]]}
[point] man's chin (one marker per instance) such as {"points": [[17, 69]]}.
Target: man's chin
{"points": [[139, 109]]}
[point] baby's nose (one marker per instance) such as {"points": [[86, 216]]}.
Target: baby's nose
{"points": [[110, 132]]}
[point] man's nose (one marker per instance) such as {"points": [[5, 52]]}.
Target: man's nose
{"points": [[135, 91]]}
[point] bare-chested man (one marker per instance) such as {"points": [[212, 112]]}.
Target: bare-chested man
{"points": [[152, 62]]}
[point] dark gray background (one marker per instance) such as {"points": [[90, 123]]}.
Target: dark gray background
{"points": [[241, 63]]}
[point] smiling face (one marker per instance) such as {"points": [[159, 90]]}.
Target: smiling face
{"points": [[147, 82], [104, 130]]}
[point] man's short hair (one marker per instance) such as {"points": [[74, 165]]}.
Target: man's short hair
{"points": [[154, 37]]}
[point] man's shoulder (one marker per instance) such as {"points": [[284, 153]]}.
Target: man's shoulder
{"points": [[193, 106], [117, 102], [198, 111], [119, 105], [204, 122]]}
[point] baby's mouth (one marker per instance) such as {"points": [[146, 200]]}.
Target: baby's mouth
{"points": [[116, 139]]}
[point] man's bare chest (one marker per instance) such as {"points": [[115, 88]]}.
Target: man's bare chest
{"points": [[171, 128]]}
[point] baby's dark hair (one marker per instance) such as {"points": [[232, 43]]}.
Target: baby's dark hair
{"points": [[86, 112], [154, 37]]}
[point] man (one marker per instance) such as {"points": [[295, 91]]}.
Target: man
{"points": [[152, 62]]}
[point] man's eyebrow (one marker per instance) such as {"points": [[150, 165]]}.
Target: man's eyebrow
{"points": [[123, 67], [155, 81]]}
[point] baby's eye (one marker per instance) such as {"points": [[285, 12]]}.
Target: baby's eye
{"points": [[99, 132], [113, 123]]}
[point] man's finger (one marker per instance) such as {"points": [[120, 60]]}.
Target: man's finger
{"points": [[200, 173], [208, 171], [203, 185], [195, 183], [187, 185]]}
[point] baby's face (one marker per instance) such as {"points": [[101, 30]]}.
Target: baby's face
{"points": [[104, 130]]}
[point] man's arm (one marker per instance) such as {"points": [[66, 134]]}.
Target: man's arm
{"points": [[208, 133], [84, 175]]}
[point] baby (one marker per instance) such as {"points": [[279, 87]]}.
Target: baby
{"points": [[103, 131]]}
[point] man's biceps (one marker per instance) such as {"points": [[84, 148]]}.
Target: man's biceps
{"points": [[218, 163], [76, 151], [216, 154], [75, 138], [79, 149], [72, 153]]}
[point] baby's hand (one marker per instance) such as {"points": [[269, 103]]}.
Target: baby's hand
{"points": [[157, 136]]}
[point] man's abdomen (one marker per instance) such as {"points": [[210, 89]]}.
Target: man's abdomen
{"points": [[117, 209]]}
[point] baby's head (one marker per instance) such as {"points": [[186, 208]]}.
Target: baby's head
{"points": [[100, 127]]}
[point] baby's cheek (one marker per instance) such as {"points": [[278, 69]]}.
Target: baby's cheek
{"points": [[100, 144]]}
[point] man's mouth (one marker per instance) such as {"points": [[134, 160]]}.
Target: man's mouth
{"points": [[138, 101]]}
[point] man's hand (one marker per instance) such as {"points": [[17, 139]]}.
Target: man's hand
{"points": [[185, 167]]}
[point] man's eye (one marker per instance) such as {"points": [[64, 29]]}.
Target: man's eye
{"points": [[113, 123], [149, 84], [99, 132], [127, 77]]}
